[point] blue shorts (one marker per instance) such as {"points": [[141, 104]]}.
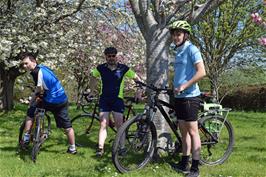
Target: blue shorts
{"points": [[187, 108], [60, 112], [111, 104]]}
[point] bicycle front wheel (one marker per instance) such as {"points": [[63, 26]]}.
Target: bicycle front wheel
{"points": [[134, 144], [36, 140], [82, 125], [217, 139], [21, 132]]}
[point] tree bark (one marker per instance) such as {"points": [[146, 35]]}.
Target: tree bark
{"points": [[157, 49], [39, 3], [7, 81]]}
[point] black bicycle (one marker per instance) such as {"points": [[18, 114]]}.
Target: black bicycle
{"points": [[82, 123], [40, 131], [135, 142]]}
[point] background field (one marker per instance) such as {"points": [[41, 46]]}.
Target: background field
{"points": [[248, 158]]}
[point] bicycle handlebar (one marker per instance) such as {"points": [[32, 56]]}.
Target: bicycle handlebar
{"points": [[156, 89]]}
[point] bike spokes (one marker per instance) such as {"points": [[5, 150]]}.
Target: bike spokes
{"points": [[217, 140], [135, 146]]}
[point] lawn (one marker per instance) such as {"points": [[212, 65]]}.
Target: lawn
{"points": [[248, 158]]}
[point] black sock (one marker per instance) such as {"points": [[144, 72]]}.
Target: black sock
{"points": [[195, 165], [185, 160]]}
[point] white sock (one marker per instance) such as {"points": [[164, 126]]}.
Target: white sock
{"points": [[72, 147], [26, 137]]}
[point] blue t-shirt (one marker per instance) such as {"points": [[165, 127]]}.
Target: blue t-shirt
{"points": [[186, 57], [54, 93]]}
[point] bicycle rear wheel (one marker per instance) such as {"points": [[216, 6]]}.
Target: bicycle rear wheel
{"points": [[82, 125], [134, 144], [217, 139]]}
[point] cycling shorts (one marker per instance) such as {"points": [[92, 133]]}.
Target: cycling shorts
{"points": [[60, 112], [111, 104], [187, 108]]}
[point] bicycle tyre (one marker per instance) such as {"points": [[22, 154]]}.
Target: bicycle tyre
{"points": [[36, 139], [82, 125], [214, 153], [144, 138], [21, 131]]}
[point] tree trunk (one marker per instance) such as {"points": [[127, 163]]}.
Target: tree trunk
{"points": [[214, 87], [157, 70], [7, 80]]}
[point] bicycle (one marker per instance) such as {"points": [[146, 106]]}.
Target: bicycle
{"points": [[40, 131], [135, 142], [83, 122]]}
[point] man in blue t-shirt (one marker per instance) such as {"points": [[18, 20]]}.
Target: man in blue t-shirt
{"points": [[188, 70], [53, 97]]}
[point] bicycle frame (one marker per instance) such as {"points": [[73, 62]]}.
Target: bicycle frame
{"points": [[174, 127], [141, 135], [40, 114], [157, 103]]}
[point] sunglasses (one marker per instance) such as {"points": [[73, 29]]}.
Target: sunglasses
{"points": [[109, 56]]}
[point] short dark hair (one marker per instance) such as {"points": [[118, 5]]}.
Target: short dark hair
{"points": [[178, 30], [110, 50], [30, 55]]}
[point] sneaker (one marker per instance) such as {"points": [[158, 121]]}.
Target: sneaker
{"points": [[193, 173], [99, 152], [181, 168], [24, 145], [71, 151]]}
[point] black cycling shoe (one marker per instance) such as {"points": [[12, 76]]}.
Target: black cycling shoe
{"points": [[71, 151], [193, 173], [181, 168], [99, 152], [24, 145]]}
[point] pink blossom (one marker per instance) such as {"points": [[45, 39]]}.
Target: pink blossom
{"points": [[262, 41], [256, 18]]}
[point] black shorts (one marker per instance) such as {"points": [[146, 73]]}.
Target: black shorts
{"points": [[60, 112], [111, 104], [187, 108]]}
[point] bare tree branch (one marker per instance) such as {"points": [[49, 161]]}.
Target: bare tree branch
{"points": [[156, 4], [72, 13], [179, 5], [139, 19], [147, 16], [39, 3], [200, 9]]}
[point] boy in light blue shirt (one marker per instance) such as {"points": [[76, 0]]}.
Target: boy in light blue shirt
{"points": [[188, 70]]}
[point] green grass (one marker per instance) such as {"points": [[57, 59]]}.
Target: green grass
{"points": [[248, 158]]}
